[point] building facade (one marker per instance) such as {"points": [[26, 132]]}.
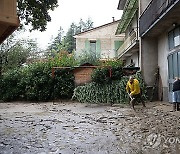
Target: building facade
{"points": [[129, 51], [160, 42], [100, 41], [157, 41]]}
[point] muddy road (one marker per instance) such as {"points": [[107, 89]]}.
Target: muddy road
{"points": [[73, 128]]}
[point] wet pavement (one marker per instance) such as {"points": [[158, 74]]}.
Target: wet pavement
{"points": [[67, 127]]}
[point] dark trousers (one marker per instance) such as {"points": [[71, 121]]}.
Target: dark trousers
{"points": [[137, 98], [176, 106]]}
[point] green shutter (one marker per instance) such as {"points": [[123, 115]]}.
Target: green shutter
{"points": [[98, 48], [117, 45], [87, 45]]}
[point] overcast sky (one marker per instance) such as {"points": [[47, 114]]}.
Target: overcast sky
{"points": [[100, 12]]}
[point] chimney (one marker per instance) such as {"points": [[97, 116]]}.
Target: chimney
{"points": [[113, 19]]}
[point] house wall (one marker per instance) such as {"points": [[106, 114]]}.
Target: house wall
{"points": [[163, 63], [107, 47], [131, 36], [135, 58], [106, 37], [149, 59]]}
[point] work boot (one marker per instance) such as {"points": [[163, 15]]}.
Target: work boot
{"points": [[177, 106], [132, 102], [143, 104], [174, 106]]}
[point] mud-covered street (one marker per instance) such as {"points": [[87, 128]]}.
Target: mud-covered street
{"points": [[73, 128]]}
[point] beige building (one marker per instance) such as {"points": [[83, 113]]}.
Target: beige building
{"points": [[129, 51], [100, 41], [157, 40], [9, 21]]}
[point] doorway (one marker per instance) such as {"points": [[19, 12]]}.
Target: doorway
{"points": [[173, 70]]}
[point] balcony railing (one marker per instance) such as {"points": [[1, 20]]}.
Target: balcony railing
{"points": [[128, 42], [154, 10], [108, 54]]}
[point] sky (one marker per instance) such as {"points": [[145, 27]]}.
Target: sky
{"points": [[69, 11]]}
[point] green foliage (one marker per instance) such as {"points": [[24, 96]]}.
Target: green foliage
{"points": [[36, 13], [36, 83], [110, 70], [111, 63], [14, 52], [101, 75], [139, 77], [68, 43], [63, 59], [110, 93], [84, 25], [87, 56], [69, 39], [10, 87], [63, 84]]}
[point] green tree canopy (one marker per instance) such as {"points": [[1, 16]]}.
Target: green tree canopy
{"points": [[68, 42], [15, 51], [36, 12]]}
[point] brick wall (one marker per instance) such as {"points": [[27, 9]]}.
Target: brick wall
{"points": [[83, 75]]}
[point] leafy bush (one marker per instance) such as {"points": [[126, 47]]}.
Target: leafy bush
{"points": [[112, 92], [35, 82], [63, 84], [87, 56], [110, 70], [10, 87], [139, 77], [63, 59]]}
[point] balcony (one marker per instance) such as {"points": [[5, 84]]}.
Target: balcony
{"points": [[159, 16], [9, 21], [129, 12], [130, 45]]}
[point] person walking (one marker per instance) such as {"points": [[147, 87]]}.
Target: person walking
{"points": [[176, 94], [134, 91]]}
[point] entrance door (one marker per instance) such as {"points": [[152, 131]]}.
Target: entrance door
{"points": [[173, 70]]}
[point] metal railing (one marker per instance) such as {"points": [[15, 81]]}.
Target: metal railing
{"points": [[128, 42], [108, 54], [152, 12]]}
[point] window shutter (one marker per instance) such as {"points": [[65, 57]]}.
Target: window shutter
{"points": [[98, 48], [117, 45], [87, 45]]}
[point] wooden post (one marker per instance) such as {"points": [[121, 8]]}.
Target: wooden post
{"points": [[53, 70]]}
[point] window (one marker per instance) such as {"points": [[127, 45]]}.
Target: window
{"points": [[93, 46], [174, 38]]}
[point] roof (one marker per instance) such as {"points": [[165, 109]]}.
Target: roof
{"points": [[105, 25]]}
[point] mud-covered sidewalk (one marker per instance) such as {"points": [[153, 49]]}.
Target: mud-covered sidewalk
{"points": [[74, 128]]}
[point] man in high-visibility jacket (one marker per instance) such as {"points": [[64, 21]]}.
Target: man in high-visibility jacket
{"points": [[134, 91]]}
